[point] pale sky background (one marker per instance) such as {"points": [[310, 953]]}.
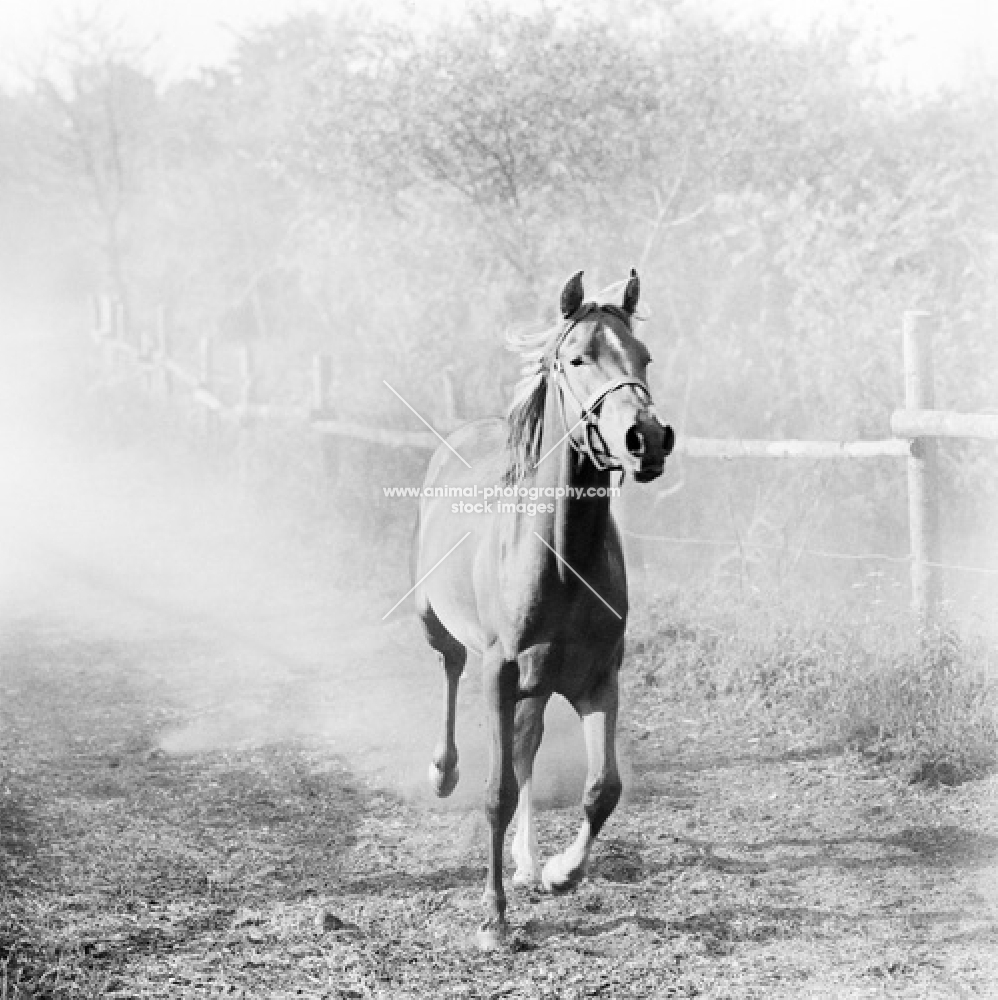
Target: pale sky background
{"points": [[934, 41]]}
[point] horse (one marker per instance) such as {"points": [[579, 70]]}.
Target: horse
{"points": [[538, 589]]}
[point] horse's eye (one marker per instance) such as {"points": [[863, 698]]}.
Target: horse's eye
{"points": [[578, 361]]}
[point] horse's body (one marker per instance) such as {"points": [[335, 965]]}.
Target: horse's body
{"points": [[540, 593]]}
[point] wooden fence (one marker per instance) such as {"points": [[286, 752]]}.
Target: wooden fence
{"points": [[914, 429]]}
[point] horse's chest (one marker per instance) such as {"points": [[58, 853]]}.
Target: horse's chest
{"points": [[566, 668], [539, 669]]}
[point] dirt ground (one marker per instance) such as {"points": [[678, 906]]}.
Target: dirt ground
{"points": [[232, 803]]}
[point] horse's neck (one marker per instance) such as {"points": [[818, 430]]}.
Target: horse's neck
{"points": [[577, 528]]}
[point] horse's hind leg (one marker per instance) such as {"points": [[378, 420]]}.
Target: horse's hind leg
{"points": [[603, 786], [443, 772], [529, 728]]}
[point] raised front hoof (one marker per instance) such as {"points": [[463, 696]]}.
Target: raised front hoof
{"points": [[492, 935], [443, 782], [560, 877]]}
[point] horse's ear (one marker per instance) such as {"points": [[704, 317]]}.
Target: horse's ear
{"points": [[572, 295], [631, 294]]}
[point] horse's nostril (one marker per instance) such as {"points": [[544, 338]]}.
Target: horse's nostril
{"points": [[635, 442], [670, 440]]}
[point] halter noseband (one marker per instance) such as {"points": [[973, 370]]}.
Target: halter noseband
{"points": [[593, 444]]}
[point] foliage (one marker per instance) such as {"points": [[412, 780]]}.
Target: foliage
{"points": [[398, 195]]}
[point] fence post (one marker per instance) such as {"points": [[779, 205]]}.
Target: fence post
{"points": [[163, 351], [115, 337], [247, 389], [207, 372], [102, 334], [448, 398], [102, 318], [146, 358], [247, 380], [322, 381], [120, 333], [923, 500]]}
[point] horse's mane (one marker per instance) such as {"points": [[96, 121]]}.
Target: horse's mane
{"points": [[525, 419]]}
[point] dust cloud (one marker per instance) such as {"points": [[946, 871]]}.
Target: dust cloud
{"points": [[265, 207], [241, 626]]}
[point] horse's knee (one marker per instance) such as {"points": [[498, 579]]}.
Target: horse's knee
{"points": [[453, 653], [500, 805], [601, 799], [454, 664]]}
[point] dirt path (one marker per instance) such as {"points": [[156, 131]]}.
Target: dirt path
{"points": [[184, 794]]}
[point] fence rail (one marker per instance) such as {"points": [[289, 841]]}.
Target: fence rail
{"points": [[944, 424], [728, 448], [915, 428]]}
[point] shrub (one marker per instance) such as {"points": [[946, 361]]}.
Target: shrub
{"points": [[927, 697]]}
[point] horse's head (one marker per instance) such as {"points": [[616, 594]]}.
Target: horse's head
{"points": [[599, 366]]}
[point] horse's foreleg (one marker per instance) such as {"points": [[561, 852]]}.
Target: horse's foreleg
{"points": [[528, 732], [443, 768], [603, 786], [500, 682]]}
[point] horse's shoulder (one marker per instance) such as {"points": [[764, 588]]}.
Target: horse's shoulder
{"points": [[485, 434], [474, 442]]}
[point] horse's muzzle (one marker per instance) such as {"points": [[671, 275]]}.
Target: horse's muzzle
{"points": [[650, 443]]}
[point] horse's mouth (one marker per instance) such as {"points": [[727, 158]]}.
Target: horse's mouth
{"points": [[647, 474]]}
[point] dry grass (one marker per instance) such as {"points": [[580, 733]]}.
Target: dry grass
{"points": [[929, 696], [771, 842]]}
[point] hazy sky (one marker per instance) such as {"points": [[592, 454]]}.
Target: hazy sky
{"points": [[936, 40]]}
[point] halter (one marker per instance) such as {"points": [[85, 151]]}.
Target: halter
{"points": [[593, 444]]}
